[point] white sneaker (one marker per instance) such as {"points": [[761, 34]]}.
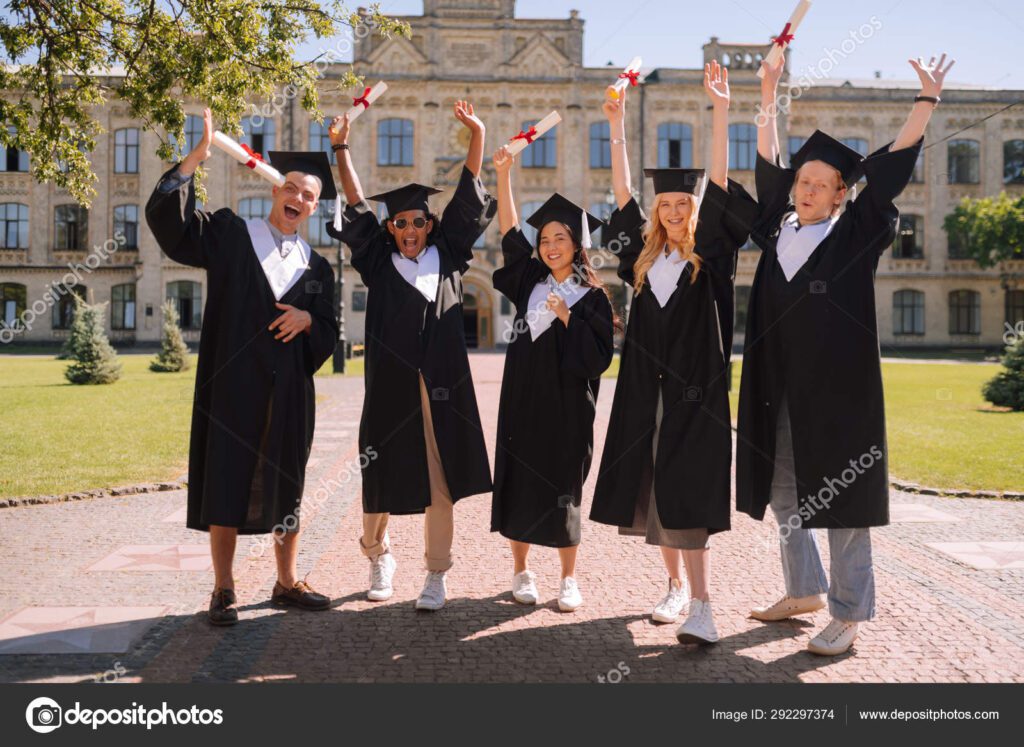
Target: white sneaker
{"points": [[669, 608], [788, 607], [569, 597], [835, 639], [699, 626], [524, 587], [435, 591], [382, 570]]}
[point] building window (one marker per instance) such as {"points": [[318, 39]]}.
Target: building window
{"points": [[359, 299], [964, 158], [955, 248], [543, 152], [13, 226], [1013, 162], [909, 242], [126, 223], [1014, 307], [395, 142], [64, 309], [12, 159], [320, 139], [600, 145], [796, 142], [258, 134], [964, 312], [675, 146], [528, 209], [324, 215], [187, 296], [126, 151], [14, 300], [122, 306], [859, 144], [71, 223], [908, 312], [918, 176], [602, 210], [742, 304], [251, 208], [742, 146]]}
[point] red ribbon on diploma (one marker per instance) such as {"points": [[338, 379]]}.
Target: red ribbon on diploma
{"points": [[785, 37], [632, 75], [362, 99], [528, 136], [253, 156]]}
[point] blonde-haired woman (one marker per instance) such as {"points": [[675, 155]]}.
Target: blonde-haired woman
{"points": [[665, 471]]}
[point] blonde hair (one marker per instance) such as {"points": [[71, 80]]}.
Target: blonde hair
{"points": [[655, 238]]}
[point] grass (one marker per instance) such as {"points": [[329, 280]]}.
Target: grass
{"points": [[61, 438]]}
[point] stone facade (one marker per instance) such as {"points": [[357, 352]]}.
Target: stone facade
{"points": [[515, 71]]}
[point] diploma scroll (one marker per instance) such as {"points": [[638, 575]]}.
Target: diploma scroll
{"points": [[245, 156], [518, 143], [361, 103], [628, 77], [780, 42]]}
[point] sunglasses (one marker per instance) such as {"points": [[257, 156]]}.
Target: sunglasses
{"points": [[401, 223]]}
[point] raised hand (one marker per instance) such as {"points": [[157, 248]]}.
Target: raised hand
{"points": [[339, 129], [615, 109], [201, 151], [772, 73], [716, 83], [464, 113], [932, 74], [503, 160]]}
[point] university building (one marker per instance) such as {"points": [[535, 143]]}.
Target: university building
{"points": [[515, 71]]}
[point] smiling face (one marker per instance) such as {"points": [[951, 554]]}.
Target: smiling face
{"points": [[410, 239], [556, 248], [818, 189], [674, 212], [294, 202]]}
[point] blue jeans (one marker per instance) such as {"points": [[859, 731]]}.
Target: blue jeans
{"points": [[851, 583]]}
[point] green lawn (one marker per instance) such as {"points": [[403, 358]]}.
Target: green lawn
{"points": [[60, 438]]}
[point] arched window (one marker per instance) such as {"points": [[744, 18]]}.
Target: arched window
{"points": [[64, 309], [395, 142], [122, 306], [675, 145], [742, 146], [251, 208], [600, 145], [71, 228], [126, 151], [13, 225], [543, 152], [187, 296], [909, 242], [908, 312], [258, 134], [1013, 162], [13, 302], [964, 312], [964, 161]]}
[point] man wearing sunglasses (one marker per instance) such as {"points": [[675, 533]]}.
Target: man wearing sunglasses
{"points": [[420, 426]]}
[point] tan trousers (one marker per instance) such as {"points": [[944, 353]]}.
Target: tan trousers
{"points": [[438, 525]]}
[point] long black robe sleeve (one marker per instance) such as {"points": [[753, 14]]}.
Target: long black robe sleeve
{"points": [[874, 213], [323, 334], [466, 216], [186, 235], [589, 337], [626, 228], [363, 234], [521, 270], [773, 184]]}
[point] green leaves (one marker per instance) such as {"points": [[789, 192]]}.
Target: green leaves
{"points": [[66, 57], [989, 229]]}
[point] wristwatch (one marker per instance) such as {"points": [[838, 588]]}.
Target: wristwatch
{"points": [[339, 146]]}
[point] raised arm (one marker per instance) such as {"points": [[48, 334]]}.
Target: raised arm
{"points": [[615, 110], [507, 216], [932, 76], [716, 85], [338, 132], [767, 127], [475, 155]]}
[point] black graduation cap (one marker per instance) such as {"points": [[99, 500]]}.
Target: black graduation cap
{"points": [[557, 208], [410, 197], [822, 147], [308, 162], [691, 181]]}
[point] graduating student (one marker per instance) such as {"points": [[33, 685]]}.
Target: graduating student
{"points": [[269, 324], [666, 465], [811, 440], [420, 415], [561, 343]]}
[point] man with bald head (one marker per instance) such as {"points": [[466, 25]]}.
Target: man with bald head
{"points": [[268, 325]]}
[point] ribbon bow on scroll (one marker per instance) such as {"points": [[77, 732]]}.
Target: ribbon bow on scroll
{"points": [[253, 156], [784, 38], [528, 136], [631, 76], [362, 99]]}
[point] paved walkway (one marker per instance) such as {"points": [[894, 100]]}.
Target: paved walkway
{"points": [[125, 589]]}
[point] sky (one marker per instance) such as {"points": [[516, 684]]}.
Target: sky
{"points": [[981, 35]]}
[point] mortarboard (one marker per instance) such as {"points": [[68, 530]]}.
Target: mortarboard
{"points": [[409, 197], [557, 208], [691, 181], [822, 147], [314, 163]]}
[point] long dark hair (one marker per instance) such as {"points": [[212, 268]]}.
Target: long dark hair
{"points": [[585, 274]]}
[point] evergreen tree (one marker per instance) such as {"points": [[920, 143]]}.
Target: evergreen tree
{"points": [[94, 360], [1007, 388], [173, 350]]}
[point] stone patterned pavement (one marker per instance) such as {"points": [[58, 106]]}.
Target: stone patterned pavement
{"points": [[116, 589]]}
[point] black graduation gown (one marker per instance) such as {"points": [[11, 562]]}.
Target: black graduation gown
{"points": [[814, 340], [548, 399], [254, 406], [682, 349], [406, 336]]}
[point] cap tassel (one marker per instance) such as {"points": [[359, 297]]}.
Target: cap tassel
{"points": [[585, 236], [337, 212]]}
